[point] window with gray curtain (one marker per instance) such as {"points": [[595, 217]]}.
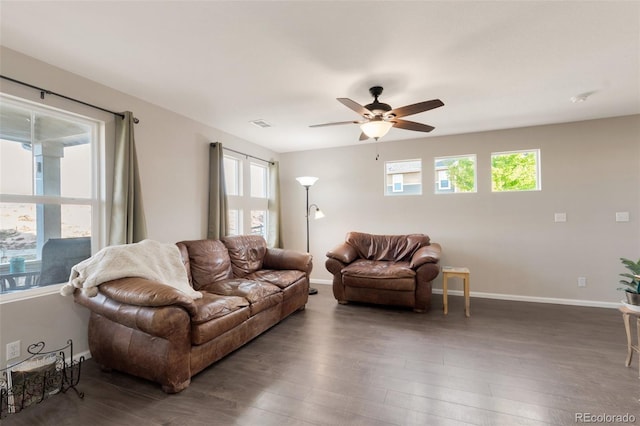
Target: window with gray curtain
{"points": [[217, 223], [252, 196], [128, 224]]}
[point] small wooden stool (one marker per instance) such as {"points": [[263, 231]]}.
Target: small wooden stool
{"points": [[631, 348], [456, 272]]}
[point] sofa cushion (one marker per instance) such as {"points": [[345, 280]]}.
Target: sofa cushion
{"points": [[209, 261], [209, 330], [282, 279], [214, 306], [386, 247], [251, 290], [246, 253]]}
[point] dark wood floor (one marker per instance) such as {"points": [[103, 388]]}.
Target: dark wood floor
{"points": [[511, 363]]}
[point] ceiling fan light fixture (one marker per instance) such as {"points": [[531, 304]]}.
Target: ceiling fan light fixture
{"points": [[376, 128]]}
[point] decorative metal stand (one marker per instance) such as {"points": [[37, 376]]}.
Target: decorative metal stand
{"points": [[41, 375]]}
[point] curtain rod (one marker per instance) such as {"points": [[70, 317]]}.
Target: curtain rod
{"points": [[247, 155], [49, 92]]}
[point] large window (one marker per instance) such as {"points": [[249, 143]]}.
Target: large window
{"points": [[247, 184], [455, 174], [403, 177], [515, 171], [49, 174]]}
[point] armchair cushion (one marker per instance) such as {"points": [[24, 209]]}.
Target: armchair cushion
{"points": [[386, 247], [378, 269]]}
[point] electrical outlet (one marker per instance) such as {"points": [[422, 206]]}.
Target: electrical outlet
{"points": [[13, 349], [582, 281]]}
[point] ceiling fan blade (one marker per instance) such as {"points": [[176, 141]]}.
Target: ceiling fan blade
{"points": [[416, 108], [356, 107], [412, 125], [335, 124], [363, 136]]}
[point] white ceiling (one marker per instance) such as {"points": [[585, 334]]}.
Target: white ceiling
{"points": [[495, 65]]}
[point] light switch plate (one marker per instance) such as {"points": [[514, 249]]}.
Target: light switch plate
{"points": [[622, 216], [560, 217]]}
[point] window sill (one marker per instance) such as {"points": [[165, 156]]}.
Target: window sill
{"points": [[30, 294]]}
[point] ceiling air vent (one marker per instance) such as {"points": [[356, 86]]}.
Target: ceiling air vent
{"points": [[260, 123]]}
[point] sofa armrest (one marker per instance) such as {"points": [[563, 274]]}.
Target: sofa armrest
{"points": [[141, 292], [344, 253], [426, 254], [284, 259]]}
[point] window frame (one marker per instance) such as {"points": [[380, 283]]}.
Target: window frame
{"points": [[538, 170], [245, 204], [450, 188], [96, 201], [390, 189]]}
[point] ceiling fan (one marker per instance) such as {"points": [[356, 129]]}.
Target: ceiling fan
{"points": [[379, 117]]}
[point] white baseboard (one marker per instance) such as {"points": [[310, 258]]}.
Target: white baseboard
{"points": [[515, 297], [85, 354], [533, 299]]}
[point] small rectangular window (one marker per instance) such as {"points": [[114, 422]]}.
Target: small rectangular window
{"points": [[247, 184], [235, 222], [403, 177], [258, 181], [232, 175], [515, 171], [259, 223], [397, 183], [455, 174]]}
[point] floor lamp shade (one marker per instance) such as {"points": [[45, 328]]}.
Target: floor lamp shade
{"points": [[307, 180]]}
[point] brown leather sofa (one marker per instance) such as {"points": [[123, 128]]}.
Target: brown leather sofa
{"points": [[158, 333], [385, 269]]}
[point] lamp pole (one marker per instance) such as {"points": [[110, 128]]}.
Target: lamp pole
{"points": [[307, 188], [307, 181]]}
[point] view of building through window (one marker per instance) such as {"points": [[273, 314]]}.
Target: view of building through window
{"points": [[403, 177], [455, 174], [47, 186]]}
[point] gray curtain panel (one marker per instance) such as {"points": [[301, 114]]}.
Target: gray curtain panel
{"points": [[218, 221], [128, 224], [274, 237]]}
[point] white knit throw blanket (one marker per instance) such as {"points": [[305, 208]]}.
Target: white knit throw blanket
{"points": [[147, 259]]}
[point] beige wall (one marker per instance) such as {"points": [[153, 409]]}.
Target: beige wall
{"points": [[173, 160], [590, 171]]}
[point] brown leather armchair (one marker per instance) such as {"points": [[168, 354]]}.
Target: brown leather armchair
{"points": [[385, 269]]}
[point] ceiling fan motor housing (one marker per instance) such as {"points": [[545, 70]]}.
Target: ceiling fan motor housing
{"points": [[377, 108]]}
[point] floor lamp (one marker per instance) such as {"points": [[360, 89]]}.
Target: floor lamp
{"points": [[308, 181]]}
